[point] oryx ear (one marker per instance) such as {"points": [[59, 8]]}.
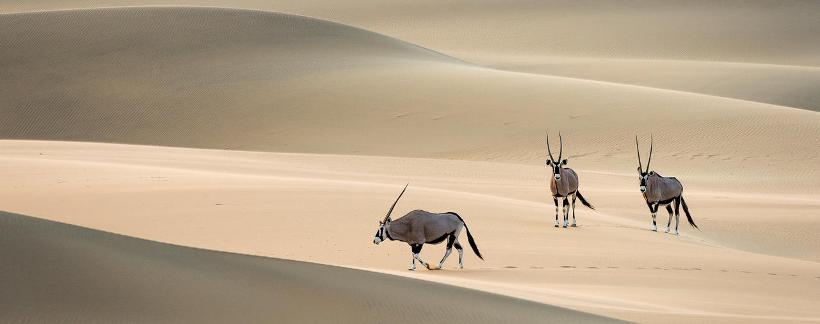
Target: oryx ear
{"points": [[651, 172], [549, 162], [639, 169], [564, 162]]}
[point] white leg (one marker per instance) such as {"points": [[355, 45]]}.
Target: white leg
{"points": [[677, 222], [412, 264], [654, 226], [565, 206], [460, 254], [446, 254], [425, 264], [669, 223], [556, 214], [574, 196]]}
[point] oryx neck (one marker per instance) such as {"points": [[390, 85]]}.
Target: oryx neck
{"points": [[387, 231]]}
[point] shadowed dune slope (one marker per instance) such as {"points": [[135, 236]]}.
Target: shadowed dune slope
{"points": [[784, 85], [774, 32], [222, 78], [59, 272]]}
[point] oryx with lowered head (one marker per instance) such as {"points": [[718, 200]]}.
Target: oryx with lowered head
{"points": [[563, 184], [661, 191], [420, 227]]}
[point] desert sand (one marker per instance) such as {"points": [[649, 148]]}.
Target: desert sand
{"points": [[58, 273], [284, 130]]}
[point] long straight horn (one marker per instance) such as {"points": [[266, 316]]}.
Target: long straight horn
{"points": [[651, 142], [638, 148], [390, 211], [548, 146], [561, 152]]}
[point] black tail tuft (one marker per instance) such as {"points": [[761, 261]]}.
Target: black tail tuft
{"points": [[584, 201], [469, 237], [686, 211]]}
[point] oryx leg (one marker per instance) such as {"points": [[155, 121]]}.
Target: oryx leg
{"points": [[669, 209], [566, 212], [555, 199], [574, 196], [677, 214], [460, 253], [450, 240], [653, 209], [416, 249]]}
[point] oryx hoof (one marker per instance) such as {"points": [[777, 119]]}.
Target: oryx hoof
{"points": [[565, 226], [574, 225], [556, 225], [427, 265], [460, 266], [654, 229], [667, 230], [412, 269], [676, 233]]}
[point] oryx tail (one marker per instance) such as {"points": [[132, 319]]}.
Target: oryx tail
{"points": [[469, 237], [686, 211], [584, 201]]}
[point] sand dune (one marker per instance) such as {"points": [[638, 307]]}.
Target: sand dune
{"points": [[783, 85], [57, 272], [746, 265], [775, 32], [281, 83], [368, 95]]}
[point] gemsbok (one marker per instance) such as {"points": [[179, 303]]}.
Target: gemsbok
{"points": [[420, 227], [661, 191], [564, 184]]}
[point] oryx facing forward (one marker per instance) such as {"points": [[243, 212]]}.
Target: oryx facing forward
{"points": [[419, 227], [661, 191], [564, 184]]}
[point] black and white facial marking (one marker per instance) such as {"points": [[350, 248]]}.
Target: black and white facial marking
{"points": [[644, 174], [556, 168], [552, 162], [643, 177], [379, 234]]}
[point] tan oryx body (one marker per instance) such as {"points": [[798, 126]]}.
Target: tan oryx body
{"points": [[564, 185], [420, 227], [659, 191]]}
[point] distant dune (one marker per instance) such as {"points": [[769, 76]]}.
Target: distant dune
{"points": [[238, 79], [284, 128], [55, 272]]}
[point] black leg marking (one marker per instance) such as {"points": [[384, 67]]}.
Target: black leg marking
{"points": [[458, 246], [416, 248], [566, 211], [555, 199]]}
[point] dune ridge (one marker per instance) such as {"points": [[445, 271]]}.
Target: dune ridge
{"points": [[275, 82], [83, 275], [311, 114], [745, 265]]}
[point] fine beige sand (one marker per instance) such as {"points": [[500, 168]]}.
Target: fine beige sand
{"points": [[744, 266], [285, 129], [56, 272]]}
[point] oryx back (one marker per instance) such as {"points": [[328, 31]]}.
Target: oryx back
{"points": [[419, 227], [660, 188], [567, 185]]}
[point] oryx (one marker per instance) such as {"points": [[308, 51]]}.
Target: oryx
{"points": [[661, 191], [564, 184], [419, 227]]}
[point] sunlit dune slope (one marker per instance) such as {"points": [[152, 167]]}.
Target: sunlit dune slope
{"points": [[59, 272]]}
